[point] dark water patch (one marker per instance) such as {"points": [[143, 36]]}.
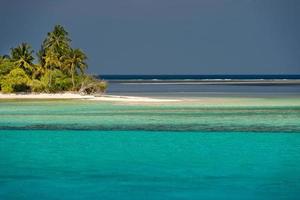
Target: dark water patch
{"points": [[161, 127], [20, 177]]}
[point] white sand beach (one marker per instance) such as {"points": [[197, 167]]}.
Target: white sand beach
{"points": [[114, 98], [138, 100]]}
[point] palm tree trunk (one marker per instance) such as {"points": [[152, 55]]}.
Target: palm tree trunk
{"points": [[50, 80], [72, 72]]}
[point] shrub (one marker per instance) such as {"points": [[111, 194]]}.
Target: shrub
{"points": [[6, 66], [55, 81], [16, 81], [37, 86], [91, 85]]}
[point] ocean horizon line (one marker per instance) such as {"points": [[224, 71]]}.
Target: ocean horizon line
{"points": [[199, 77]]}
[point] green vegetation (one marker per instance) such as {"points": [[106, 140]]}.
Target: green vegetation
{"points": [[59, 68]]}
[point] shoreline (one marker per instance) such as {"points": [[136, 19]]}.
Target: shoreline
{"points": [[203, 101], [61, 96]]}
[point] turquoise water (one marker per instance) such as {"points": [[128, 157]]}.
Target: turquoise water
{"points": [[91, 150], [256, 115]]}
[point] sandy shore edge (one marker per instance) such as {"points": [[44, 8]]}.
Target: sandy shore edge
{"points": [[114, 98]]}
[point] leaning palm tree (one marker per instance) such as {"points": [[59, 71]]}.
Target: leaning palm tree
{"points": [[22, 57], [74, 61]]}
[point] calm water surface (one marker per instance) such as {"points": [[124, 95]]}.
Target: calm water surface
{"points": [[91, 150]]}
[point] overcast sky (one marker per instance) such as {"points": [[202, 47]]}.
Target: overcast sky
{"points": [[165, 36]]}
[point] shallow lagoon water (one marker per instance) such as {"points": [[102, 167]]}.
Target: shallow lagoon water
{"points": [[233, 114], [95, 150]]}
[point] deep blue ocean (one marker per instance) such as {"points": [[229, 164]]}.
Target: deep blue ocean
{"points": [[203, 85], [199, 77]]}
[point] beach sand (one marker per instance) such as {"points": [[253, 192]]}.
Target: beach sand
{"points": [[114, 98], [203, 101]]}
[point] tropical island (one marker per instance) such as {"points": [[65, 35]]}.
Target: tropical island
{"points": [[57, 71], [59, 68]]}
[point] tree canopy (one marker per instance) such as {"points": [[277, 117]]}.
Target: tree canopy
{"points": [[59, 67]]}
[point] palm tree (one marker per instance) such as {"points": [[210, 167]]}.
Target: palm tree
{"points": [[51, 62], [41, 56], [57, 41], [38, 71], [56, 45], [75, 60], [22, 57]]}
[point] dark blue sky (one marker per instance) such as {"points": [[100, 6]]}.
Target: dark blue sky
{"points": [[165, 36]]}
